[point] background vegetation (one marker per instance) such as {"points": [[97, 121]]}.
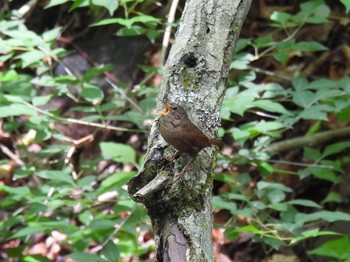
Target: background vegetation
{"points": [[78, 89]]}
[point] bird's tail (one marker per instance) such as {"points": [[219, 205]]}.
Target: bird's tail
{"points": [[215, 142]]}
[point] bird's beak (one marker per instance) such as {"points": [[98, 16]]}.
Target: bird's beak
{"points": [[166, 110]]}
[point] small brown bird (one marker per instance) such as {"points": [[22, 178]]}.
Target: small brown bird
{"points": [[178, 130]]}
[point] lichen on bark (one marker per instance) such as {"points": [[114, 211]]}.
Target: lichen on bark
{"points": [[194, 76]]}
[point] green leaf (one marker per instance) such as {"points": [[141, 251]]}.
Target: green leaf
{"points": [[312, 153], [8, 75], [281, 207], [280, 17], [323, 84], [276, 196], [271, 106], [281, 53], [241, 61], [41, 100], [219, 203], [316, 112], [264, 41], [57, 175], [52, 34], [237, 197], [346, 4], [16, 110], [14, 98], [336, 248], [118, 152], [225, 178], [85, 257], [101, 224], [115, 180], [132, 31], [35, 258], [147, 104], [92, 93], [325, 174], [264, 127], [111, 251], [251, 229], [300, 83], [52, 225], [109, 21], [31, 57], [303, 202], [45, 80], [265, 167], [261, 185], [79, 3], [335, 148], [333, 197], [145, 19], [231, 234], [322, 215], [239, 105], [310, 46], [56, 2], [314, 12], [110, 5], [312, 233], [304, 98], [18, 191], [240, 135], [131, 116], [96, 71], [241, 44], [27, 231], [258, 205], [128, 22]]}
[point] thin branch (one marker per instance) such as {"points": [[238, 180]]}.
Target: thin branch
{"points": [[167, 33], [269, 73], [110, 237], [314, 140], [27, 8], [299, 164], [81, 122], [266, 51], [11, 155]]}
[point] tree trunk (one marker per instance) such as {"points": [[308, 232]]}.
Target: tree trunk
{"points": [[194, 76]]}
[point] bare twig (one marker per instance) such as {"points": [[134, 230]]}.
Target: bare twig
{"points": [[167, 33], [81, 122], [269, 73], [314, 140], [11, 155], [299, 164], [27, 8], [110, 237]]}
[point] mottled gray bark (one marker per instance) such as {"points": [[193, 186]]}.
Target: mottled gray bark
{"points": [[194, 76]]}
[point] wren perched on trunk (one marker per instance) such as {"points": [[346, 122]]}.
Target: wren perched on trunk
{"points": [[178, 130]]}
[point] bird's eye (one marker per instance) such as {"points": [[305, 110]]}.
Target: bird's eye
{"points": [[175, 108]]}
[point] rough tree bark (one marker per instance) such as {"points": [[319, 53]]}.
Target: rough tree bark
{"points": [[194, 76]]}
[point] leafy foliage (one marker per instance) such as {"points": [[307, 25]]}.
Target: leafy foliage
{"points": [[268, 209], [83, 205]]}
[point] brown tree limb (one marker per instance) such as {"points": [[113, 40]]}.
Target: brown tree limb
{"points": [[311, 141]]}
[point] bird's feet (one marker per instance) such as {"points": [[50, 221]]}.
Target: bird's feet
{"points": [[179, 176], [174, 156]]}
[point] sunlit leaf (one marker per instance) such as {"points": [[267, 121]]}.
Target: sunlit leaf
{"points": [[118, 152]]}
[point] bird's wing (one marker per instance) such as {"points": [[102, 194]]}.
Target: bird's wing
{"points": [[195, 137]]}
